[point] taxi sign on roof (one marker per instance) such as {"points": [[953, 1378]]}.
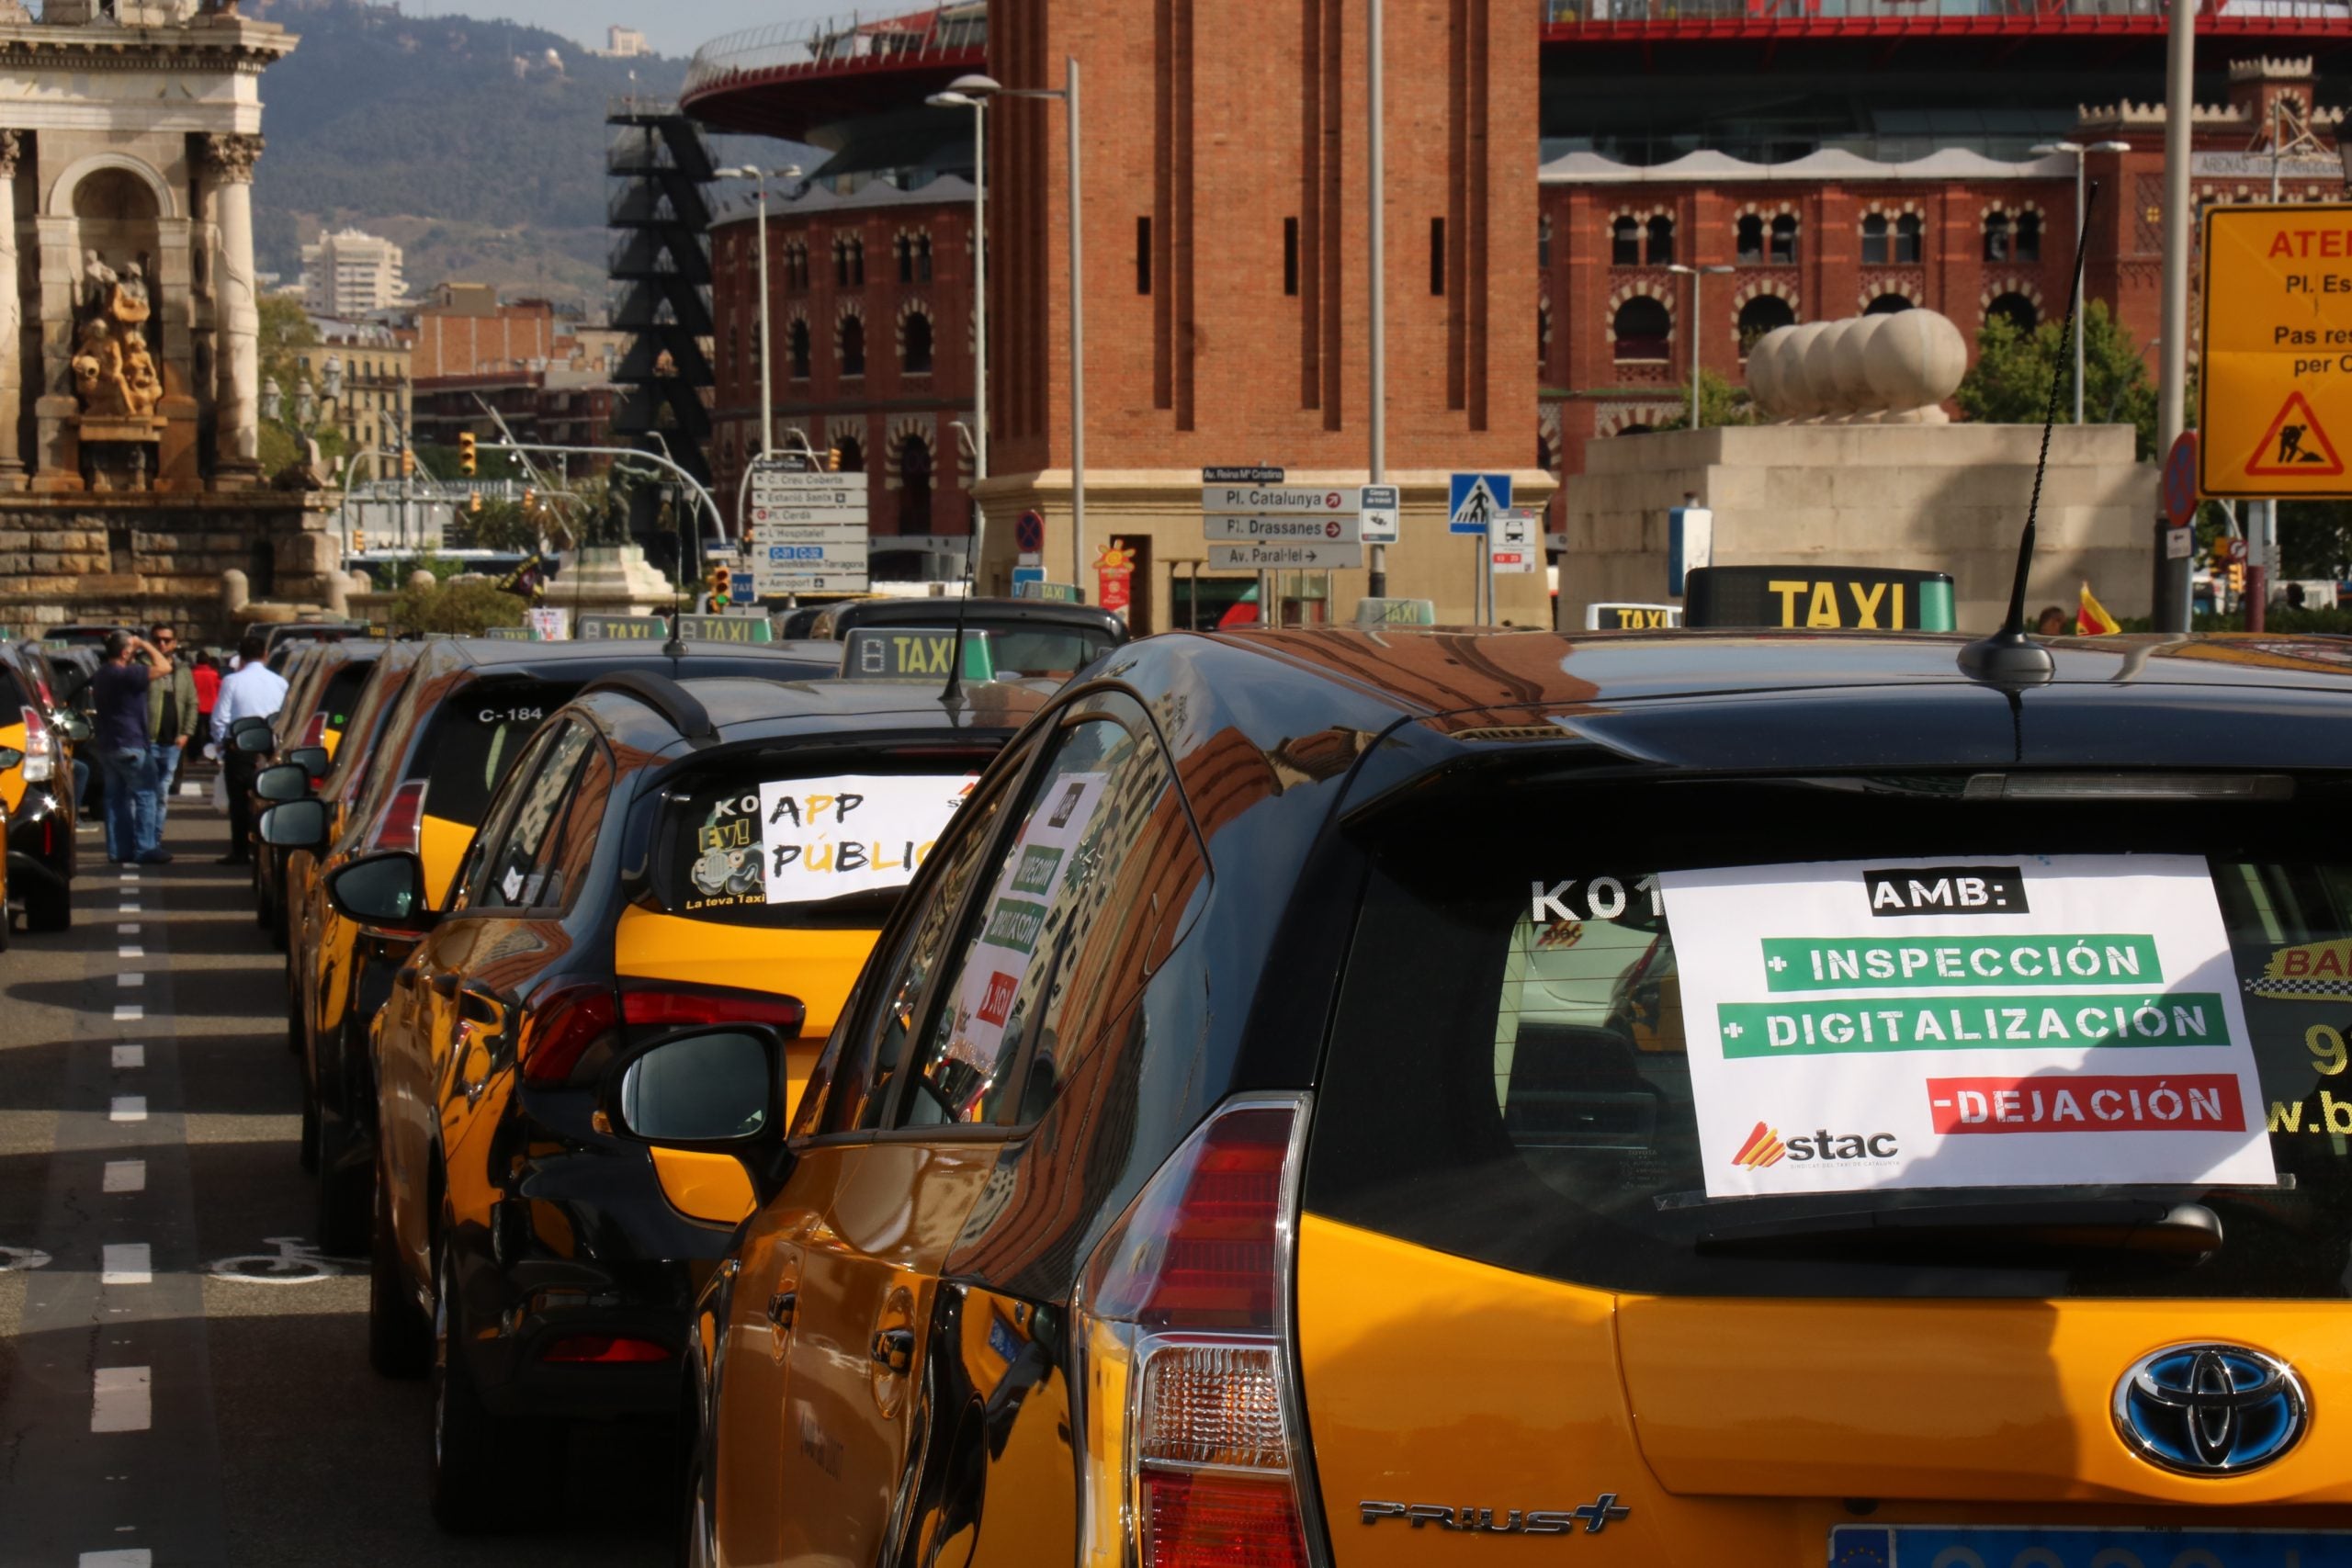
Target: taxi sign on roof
{"points": [[914, 653], [624, 628], [1818, 598], [2274, 386]]}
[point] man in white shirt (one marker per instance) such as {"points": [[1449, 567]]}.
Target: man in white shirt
{"points": [[251, 690]]}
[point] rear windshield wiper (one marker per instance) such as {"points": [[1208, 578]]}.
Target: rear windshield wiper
{"points": [[2189, 1232]]}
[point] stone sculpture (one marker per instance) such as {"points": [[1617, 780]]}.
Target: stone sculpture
{"points": [[1885, 369], [113, 371]]}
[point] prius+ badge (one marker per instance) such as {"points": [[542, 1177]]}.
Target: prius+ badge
{"points": [[2210, 1410], [1595, 1517]]}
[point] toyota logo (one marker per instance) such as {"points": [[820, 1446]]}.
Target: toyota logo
{"points": [[2210, 1409]]}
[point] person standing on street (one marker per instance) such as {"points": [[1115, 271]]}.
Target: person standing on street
{"points": [[171, 718], [207, 677], [118, 696], [253, 691]]}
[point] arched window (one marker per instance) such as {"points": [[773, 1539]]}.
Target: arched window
{"points": [[853, 453], [1784, 241], [1875, 240], [1624, 243], [914, 345], [796, 340], [914, 485], [849, 263], [853, 335], [1996, 236], [1907, 232], [1542, 336], [904, 247], [1887, 305], [2028, 245], [1633, 430], [2015, 309], [1641, 331], [1766, 312], [1543, 240], [1749, 248], [1543, 451], [922, 258], [1661, 241], [796, 268]]}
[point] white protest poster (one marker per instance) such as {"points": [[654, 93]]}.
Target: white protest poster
{"points": [[1974, 1021], [851, 833], [1014, 920]]}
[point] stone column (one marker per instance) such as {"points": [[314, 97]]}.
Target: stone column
{"points": [[229, 170], [12, 319]]}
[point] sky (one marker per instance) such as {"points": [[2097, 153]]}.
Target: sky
{"points": [[675, 27]]}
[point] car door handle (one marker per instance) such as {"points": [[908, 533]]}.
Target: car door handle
{"points": [[443, 983], [782, 1306], [893, 1349]]}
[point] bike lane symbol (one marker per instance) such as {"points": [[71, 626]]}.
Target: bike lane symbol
{"points": [[296, 1262]]}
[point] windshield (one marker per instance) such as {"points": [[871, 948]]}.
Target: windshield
{"points": [[1745, 1040], [477, 736]]}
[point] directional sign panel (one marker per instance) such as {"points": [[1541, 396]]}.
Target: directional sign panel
{"points": [[1244, 499], [809, 533], [1341, 530], [766, 514], [2274, 385], [1284, 557]]}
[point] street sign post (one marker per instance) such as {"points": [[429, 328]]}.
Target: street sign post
{"points": [[1477, 500], [1285, 556], [1381, 507], [2180, 480], [2274, 384], [1515, 543], [1285, 530], [807, 532]]}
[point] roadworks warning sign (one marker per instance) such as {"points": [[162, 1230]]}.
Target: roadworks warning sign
{"points": [[2275, 371]]}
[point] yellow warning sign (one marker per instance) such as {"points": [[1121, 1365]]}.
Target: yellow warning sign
{"points": [[2274, 386]]}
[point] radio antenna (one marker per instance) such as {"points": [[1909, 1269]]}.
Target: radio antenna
{"points": [[953, 695], [2010, 657]]}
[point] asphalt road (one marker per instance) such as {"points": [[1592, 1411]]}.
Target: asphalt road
{"points": [[160, 1405]]}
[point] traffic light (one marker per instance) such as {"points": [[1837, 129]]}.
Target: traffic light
{"points": [[722, 584], [2237, 577], [408, 462], [832, 459], [359, 541], [474, 503], [530, 499], [468, 459]]}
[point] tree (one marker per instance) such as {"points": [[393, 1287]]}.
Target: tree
{"points": [[287, 335], [2010, 382], [1720, 402], [467, 607]]}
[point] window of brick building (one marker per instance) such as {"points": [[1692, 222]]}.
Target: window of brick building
{"points": [[796, 339], [1908, 232], [1661, 241], [1143, 255], [1888, 305], [853, 453], [1765, 313], [1875, 240], [914, 345], [1290, 256], [1641, 331], [2015, 309], [1437, 256], [795, 266], [1784, 241], [1996, 236], [1750, 249], [853, 346], [914, 485], [1543, 239], [2028, 236], [849, 263], [1624, 243]]}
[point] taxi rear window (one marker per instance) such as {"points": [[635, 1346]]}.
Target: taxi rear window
{"points": [[777, 839], [342, 693], [478, 733], [1798, 1040]]}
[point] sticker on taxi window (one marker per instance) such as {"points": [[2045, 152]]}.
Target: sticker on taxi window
{"points": [[2013, 1020], [2308, 971], [802, 840]]}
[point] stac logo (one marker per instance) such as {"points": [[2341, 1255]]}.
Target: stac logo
{"points": [[1766, 1147], [1763, 1148]]}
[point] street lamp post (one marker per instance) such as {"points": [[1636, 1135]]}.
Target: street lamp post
{"points": [[1377, 260], [984, 87], [1695, 274], [959, 95], [767, 360], [2081, 154]]}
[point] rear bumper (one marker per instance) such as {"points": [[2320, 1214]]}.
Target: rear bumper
{"points": [[40, 841], [514, 1377]]}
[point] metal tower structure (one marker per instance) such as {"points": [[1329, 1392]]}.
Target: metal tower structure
{"points": [[661, 271]]}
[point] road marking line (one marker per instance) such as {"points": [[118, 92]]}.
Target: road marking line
{"points": [[126, 1175], [136, 1557], [131, 929], [131, 907], [128, 1263], [121, 1400], [131, 950], [129, 1107], [128, 1012], [128, 1057], [130, 978]]}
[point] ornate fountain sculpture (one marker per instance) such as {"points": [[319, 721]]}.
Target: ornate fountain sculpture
{"points": [[115, 379]]}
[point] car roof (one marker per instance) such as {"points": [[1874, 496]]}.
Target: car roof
{"points": [[941, 612], [1745, 701], [747, 709], [587, 659]]}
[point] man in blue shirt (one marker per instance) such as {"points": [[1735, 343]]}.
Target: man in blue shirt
{"points": [[118, 696]]}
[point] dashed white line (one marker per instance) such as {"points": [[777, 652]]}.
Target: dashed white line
{"points": [[130, 977], [126, 1175], [130, 907], [131, 949], [128, 1263], [121, 1400], [127, 1108], [128, 1012], [129, 1058], [136, 1557], [130, 928]]}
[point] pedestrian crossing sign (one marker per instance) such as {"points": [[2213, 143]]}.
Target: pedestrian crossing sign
{"points": [[1475, 500]]}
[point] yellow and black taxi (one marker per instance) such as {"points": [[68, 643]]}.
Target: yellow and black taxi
{"points": [[320, 696], [664, 854], [37, 791], [459, 718], [1040, 638], [1400, 1098]]}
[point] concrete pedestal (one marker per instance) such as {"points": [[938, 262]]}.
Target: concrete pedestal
{"points": [[1937, 498], [612, 580]]}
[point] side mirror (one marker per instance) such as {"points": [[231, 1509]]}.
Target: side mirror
{"points": [[73, 727], [385, 890], [312, 760], [709, 1088], [286, 782], [294, 824], [253, 739]]}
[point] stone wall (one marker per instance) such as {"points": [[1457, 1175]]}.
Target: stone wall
{"points": [[143, 559]]}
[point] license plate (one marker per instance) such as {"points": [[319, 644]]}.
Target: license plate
{"points": [[1953, 1546]]}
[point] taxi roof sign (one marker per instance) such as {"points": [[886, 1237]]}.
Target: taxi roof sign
{"points": [[2274, 382], [1818, 598], [914, 653]]}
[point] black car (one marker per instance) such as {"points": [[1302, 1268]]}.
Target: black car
{"points": [[663, 852], [1037, 637], [1330, 1084], [37, 735]]}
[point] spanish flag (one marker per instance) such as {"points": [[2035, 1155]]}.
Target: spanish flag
{"points": [[2091, 618]]}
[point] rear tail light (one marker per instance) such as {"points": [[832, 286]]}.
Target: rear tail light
{"points": [[315, 732], [1193, 1428], [604, 1350], [402, 824], [653, 1005], [561, 1029], [41, 748]]}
